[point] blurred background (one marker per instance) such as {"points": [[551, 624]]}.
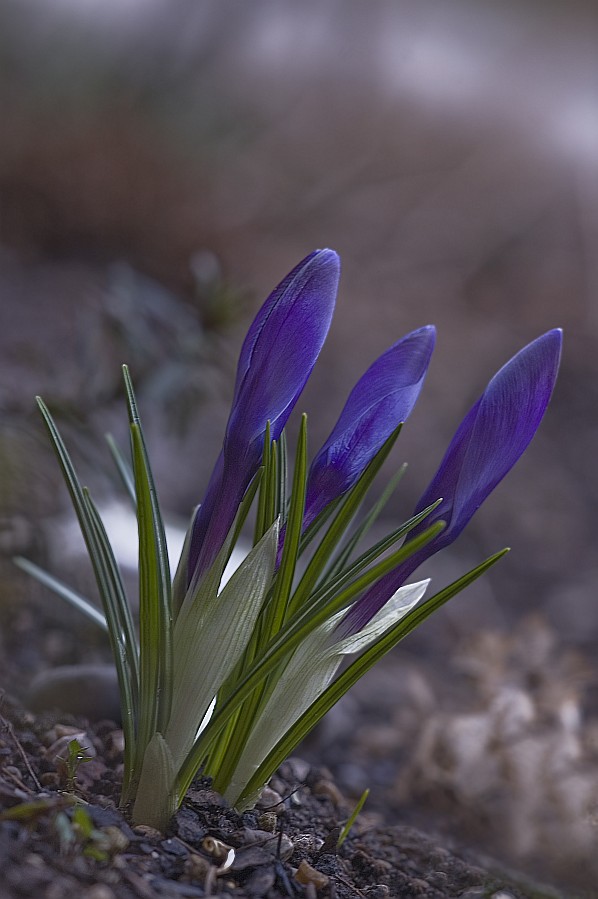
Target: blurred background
{"points": [[163, 163]]}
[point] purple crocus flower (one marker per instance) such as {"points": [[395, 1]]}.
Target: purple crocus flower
{"points": [[277, 357], [381, 399], [488, 442]]}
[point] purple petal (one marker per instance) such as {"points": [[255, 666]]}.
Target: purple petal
{"points": [[493, 435], [260, 321], [276, 359], [490, 439], [383, 397], [282, 347]]}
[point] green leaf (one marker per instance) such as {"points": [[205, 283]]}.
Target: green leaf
{"points": [[343, 557], [282, 477], [263, 503], [123, 468], [311, 532], [122, 639], [352, 674], [288, 562], [224, 759], [280, 649], [309, 671], [341, 521], [155, 607], [211, 633], [333, 584], [347, 828], [179, 584], [112, 594], [157, 799], [75, 599]]}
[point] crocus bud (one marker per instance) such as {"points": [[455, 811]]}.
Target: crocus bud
{"points": [[277, 357], [382, 398], [490, 439]]}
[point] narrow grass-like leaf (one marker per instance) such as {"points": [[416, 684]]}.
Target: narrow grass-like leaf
{"points": [[104, 566], [211, 633], [280, 649], [311, 532], [342, 519], [353, 817], [288, 562], [281, 485], [155, 605], [307, 674], [347, 551], [272, 491], [120, 631], [181, 577], [123, 468], [62, 590], [330, 586], [179, 587], [150, 630], [353, 673], [74, 487], [116, 594], [261, 525], [224, 760]]}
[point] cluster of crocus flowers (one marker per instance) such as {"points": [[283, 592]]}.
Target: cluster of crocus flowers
{"points": [[228, 678], [276, 360], [488, 442]]}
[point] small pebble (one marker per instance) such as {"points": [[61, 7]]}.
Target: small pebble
{"points": [[279, 785], [306, 874], [144, 830], [206, 797], [49, 779], [115, 839], [197, 867], [281, 846], [329, 789], [270, 801], [268, 822], [299, 768], [66, 730], [260, 881], [115, 744], [98, 891], [87, 690], [308, 842]]}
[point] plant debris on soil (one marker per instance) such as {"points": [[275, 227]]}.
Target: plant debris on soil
{"points": [[62, 834]]}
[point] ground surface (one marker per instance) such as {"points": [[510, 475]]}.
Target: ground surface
{"points": [[52, 844]]}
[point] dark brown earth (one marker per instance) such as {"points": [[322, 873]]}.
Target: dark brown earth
{"points": [[63, 839], [60, 837]]}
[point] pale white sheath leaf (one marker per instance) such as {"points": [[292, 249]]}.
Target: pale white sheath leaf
{"points": [[210, 635], [156, 800], [308, 673]]}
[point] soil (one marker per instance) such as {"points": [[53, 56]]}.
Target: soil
{"points": [[65, 838], [62, 834]]}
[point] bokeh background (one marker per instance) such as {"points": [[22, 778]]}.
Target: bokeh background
{"points": [[163, 163]]}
